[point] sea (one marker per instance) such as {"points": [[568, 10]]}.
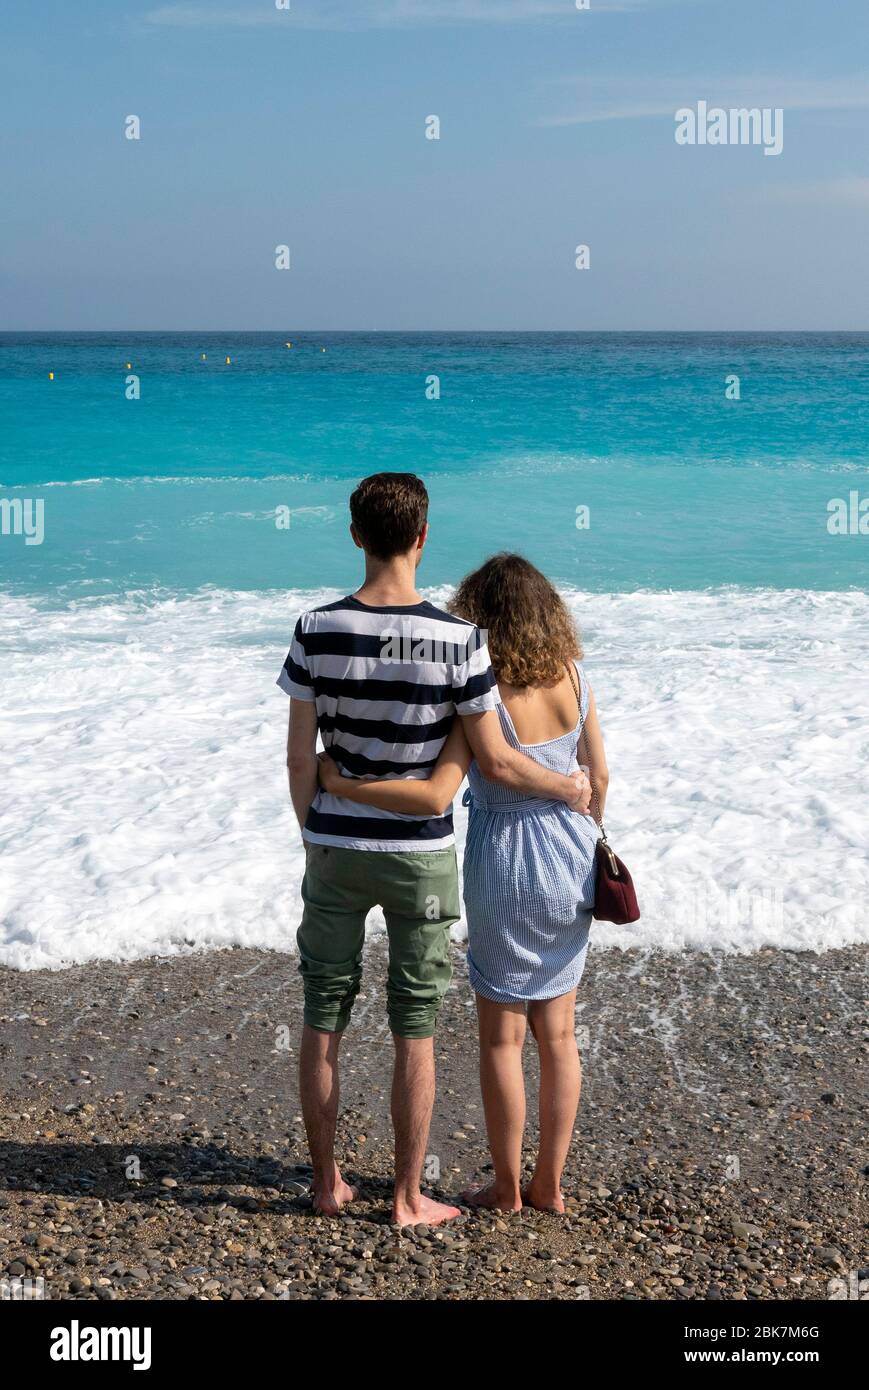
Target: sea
{"points": [[169, 503]]}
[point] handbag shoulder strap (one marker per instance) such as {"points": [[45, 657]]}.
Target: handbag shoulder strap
{"points": [[603, 843], [571, 671]]}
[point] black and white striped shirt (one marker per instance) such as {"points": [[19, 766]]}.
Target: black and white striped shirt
{"points": [[387, 683]]}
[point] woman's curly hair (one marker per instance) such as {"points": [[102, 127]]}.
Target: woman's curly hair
{"points": [[531, 634]]}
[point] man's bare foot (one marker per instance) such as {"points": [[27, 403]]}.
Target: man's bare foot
{"points": [[543, 1201], [329, 1198], [422, 1211], [492, 1197]]}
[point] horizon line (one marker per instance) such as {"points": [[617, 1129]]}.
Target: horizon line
{"points": [[383, 331]]}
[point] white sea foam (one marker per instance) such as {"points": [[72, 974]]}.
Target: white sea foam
{"points": [[520, 464], [145, 807], [145, 480]]}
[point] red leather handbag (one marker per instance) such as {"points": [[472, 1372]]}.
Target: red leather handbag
{"points": [[615, 898]]}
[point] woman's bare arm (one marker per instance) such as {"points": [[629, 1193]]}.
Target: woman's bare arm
{"points": [[408, 796], [592, 751]]}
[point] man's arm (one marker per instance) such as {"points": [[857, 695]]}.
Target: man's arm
{"points": [[498, 762], [302, 757]]}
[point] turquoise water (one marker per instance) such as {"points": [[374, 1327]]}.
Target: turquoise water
{"points": [[140, 642], [686, 489]]}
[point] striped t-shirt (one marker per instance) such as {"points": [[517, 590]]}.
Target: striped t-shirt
{"points": [[387, 683]]}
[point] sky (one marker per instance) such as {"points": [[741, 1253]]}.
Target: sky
{"points": [[306, 127]]}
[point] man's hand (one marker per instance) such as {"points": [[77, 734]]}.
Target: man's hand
{"points": [[582, 804]]}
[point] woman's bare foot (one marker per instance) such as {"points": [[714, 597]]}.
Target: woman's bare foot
{"points": [[422, 1211], [329, 1198], [540, 1200], [492, 1197]]}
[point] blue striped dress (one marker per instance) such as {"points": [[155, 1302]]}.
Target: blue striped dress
{"points": [[529, 879]]}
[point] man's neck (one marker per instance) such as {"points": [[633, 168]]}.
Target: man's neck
{"points": [[389, 583]]}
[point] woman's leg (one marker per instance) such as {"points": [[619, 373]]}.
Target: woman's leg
{"points": [[553, 1025], [502, 1033]]}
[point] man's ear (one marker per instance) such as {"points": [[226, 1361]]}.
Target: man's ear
{"points": [[356, 540], [423, 537]]}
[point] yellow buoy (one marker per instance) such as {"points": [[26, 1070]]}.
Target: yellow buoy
{"points": [[288, 345], [229, 361], [129, 365], [203, 357], [51, 376]]}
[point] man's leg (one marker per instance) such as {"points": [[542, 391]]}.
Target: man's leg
{"points": [[319, 1089], [330, 942], [420, 904], [413, 1092]]}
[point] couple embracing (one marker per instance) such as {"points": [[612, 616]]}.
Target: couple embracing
{"points": [[375, 814]]}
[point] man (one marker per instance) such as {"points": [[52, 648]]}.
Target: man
{"points": [[384, 715]]}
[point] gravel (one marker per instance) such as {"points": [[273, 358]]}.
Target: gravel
{"points": [[151, 1144]]}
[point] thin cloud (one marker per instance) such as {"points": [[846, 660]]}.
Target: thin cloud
{"points": [[614, 100], [375, 14], [848, 191], [204, 17]]}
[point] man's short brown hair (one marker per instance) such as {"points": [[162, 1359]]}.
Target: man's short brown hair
{"points": [[389, 511]]}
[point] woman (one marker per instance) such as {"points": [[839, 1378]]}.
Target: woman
{"points": [[529, 868]]}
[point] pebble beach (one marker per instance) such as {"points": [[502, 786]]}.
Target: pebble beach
{"points": [[151, 1144]]}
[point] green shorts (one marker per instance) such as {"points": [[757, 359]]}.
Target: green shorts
{"points": [[419, 894]]}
